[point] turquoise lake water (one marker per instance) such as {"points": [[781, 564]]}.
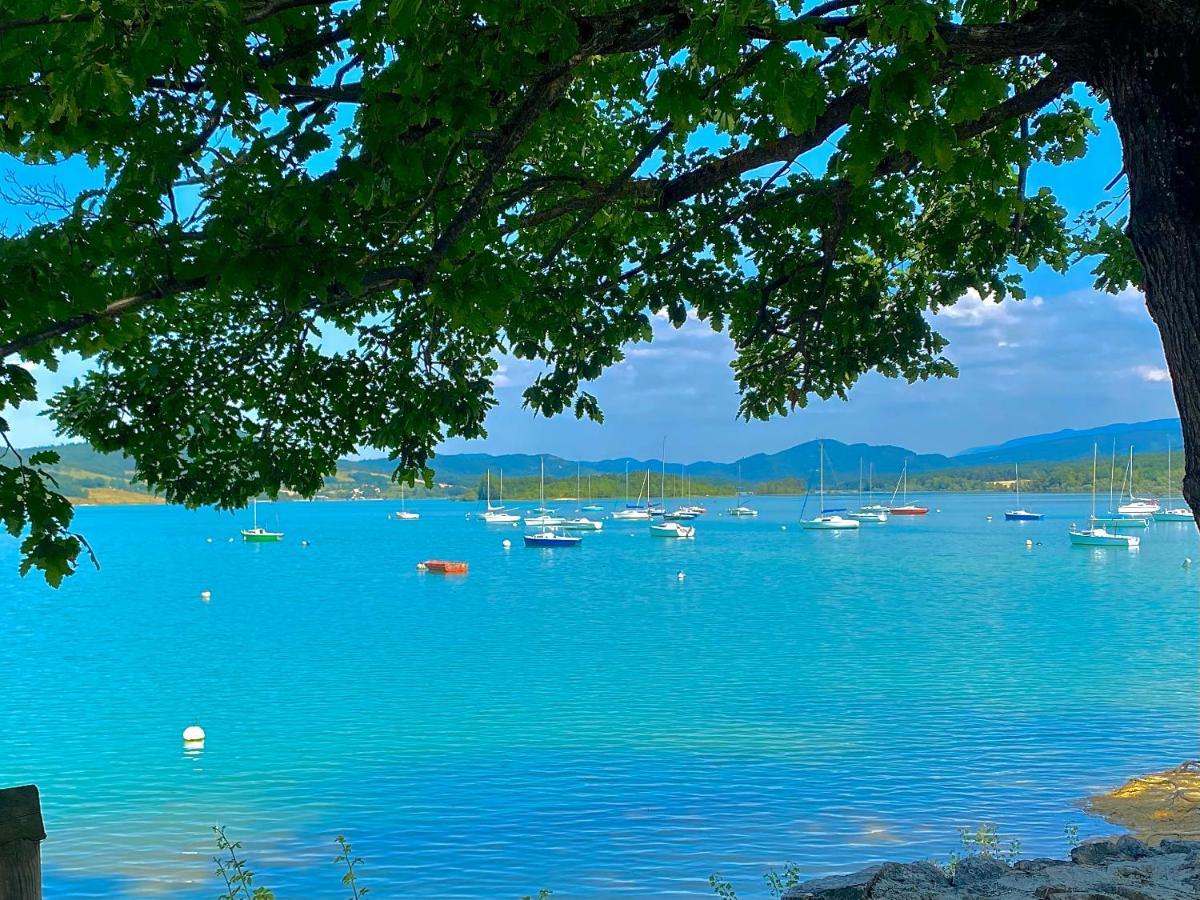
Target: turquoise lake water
{"points": [[581, 719]]}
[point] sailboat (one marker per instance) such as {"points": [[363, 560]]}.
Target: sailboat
{"points": [[591, 506], [1178, 513], [1099, 537], [404, 515], [669, 529], [874, 514], [634, 512], [682, 513], [1137, 506], [740, 510], [1115, 520], [258, 535], [1021, 514], [905, 508], [580, 522], [497, 515], [548, 537], [828, 519]]}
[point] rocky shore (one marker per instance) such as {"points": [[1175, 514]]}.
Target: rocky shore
{"points": [[1120, 868]]}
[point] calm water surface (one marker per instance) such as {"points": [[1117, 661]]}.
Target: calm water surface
{"points": [[581, 719]]}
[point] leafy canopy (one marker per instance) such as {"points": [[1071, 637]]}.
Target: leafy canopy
{"points": [[320, 222]]}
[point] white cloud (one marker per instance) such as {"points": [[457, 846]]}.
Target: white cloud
{"points": [[1152, 373], [972, 310]]}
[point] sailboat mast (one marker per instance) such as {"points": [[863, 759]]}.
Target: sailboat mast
{"points": [[1017, 471], [1095, 458], [822, 462]]}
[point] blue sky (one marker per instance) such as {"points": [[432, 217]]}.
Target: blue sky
{"points": [[1068, 357]]}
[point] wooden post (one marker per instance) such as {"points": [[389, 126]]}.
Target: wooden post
{"points": [[21, 835]]}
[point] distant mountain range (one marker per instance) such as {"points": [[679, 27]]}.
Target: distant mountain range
{"points": [[801, 461], [84, 471]]}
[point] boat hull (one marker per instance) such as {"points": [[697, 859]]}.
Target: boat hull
{"points": [[1020, 515], [554, 540], [909, 510], [500, 519], [543, 521], [869, 517], [829, 523], [1098, 537], [262, 537], [1174, 515], [581, 525], [671, 530], [1120, 522]]}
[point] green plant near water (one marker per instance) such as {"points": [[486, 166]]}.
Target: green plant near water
{"points": [[777, 882], [1072, 833], [349, 860], [985, 841], [233, 870]]}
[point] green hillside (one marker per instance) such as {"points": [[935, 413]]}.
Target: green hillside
{"points": [[90, 477]]}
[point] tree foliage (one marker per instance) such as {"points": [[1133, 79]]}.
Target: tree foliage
{"points": [[320, 222]]}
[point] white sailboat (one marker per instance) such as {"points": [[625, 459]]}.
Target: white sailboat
{"points": [[1115, 520], [1100, 537], [497, 515], [591, 506], [404, 515], [741, 510], [634, 512], [548, 536], [580, 522], [1173, 514], [827, 520], [1137, 506], [875, 514], [1021, 514], [669, 529]]}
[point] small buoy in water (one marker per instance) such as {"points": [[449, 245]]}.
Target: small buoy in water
{"points": [[420, 567], [783, 528], [506, 543], [210, 540], [1028, 542], [1187, 561], [231, 540], [679, 576], [193, 734], [937, 510], [206, 596], [304, 543], [989, 518]]}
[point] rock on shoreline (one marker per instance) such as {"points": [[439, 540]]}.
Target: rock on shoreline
{"points": [[1103, 869]]}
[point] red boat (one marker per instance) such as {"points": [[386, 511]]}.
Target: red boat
{"points": [[905, 508]]}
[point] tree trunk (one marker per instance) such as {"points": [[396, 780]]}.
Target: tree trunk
{"points": [[21, 834], [1150, 73]]}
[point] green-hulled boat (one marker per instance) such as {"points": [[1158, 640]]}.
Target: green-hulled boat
{"points": [[258, 535]]}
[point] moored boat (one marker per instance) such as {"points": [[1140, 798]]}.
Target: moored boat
{"points": [[673, 530], [1094, 535], [905, 508], [1020, 514], [829, 519], [1177, 513], [256, 535]]}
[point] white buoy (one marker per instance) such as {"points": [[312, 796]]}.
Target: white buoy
{"points": [[1187, 561], [989, 518], [420, 567], [1028, 542], [679, 576], [937, 510], [231, 540], [304, 543], [193, 734], [506, 543], [210, 540], [206, 596], [783, 528]]}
